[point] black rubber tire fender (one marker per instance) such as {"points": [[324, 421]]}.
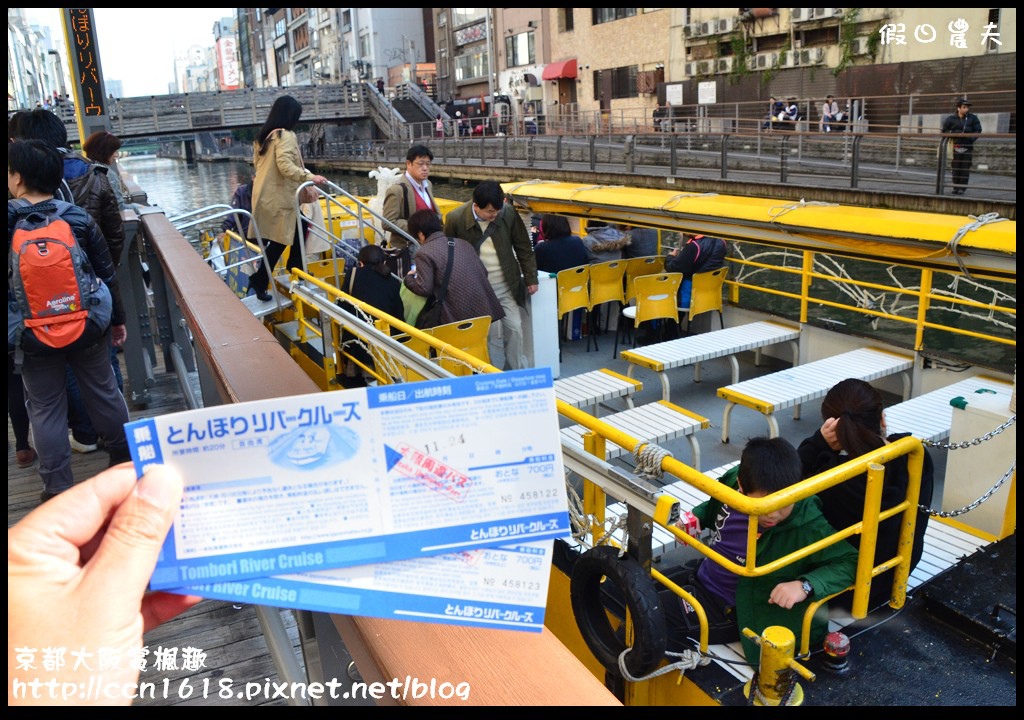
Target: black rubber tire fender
{"points": [[641, 597]]}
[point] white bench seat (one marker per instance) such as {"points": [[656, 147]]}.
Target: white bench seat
{"points": [[695, 349], [789, 388], [654, 423], [930, 416], [589, 389]]}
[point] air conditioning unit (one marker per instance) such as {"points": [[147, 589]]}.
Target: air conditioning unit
{"points": [[825, 13], [706, 67], [725, 64], [764, 61], [801, 14], [693, 30], [707, 28], [791, 58], [726, 25], [691, 69], [859, 46], [812, 56]]}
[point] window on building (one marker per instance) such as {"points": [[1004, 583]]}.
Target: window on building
{"points": [[364, 45], [606, 15], [461, 16], [300, 37], [992, 44], [443, 70], [623, 82], [346, 19], [471, 65], [280, 27], [519, 50], [442, 19], [565, 19]]}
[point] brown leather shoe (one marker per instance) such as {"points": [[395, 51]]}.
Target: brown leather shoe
{"points": [[26, 458]]}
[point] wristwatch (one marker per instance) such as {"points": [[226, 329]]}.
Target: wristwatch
{"points": [[806, 587]]}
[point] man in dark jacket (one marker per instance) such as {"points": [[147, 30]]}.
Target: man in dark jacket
{"points": [[701, 253], [34, 174], [962, 125], [500, 238]]}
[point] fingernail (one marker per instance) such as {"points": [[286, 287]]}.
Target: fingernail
{"points": [[160, 487]]}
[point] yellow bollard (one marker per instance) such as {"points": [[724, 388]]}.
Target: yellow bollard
{"points": [[775, 684]]}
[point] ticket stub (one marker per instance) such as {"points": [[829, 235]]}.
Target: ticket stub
{"points": [[504, 587], [359, 476]]}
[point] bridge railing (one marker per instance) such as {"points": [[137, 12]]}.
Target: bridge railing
{"points": [[189, 112], [915, 164]]}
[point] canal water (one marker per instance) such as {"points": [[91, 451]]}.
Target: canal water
{"points": [[179, 187]]}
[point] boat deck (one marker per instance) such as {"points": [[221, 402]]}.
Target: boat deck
{"points": [[231, 635]]}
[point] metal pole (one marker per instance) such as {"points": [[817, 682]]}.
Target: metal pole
{"points": [[490, 61]]}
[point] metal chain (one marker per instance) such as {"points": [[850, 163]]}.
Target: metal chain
{"points": [[963, 446], [991, 491], [791, 686], [971, 443]]}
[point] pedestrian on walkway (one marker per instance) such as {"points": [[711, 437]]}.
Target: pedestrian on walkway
{"points": [[34, 171], [962, 126]]}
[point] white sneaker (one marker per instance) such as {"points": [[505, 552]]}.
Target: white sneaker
{"points": [[81, 447]]}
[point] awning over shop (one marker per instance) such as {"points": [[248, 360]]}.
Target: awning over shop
{"points": [[564, 69]]}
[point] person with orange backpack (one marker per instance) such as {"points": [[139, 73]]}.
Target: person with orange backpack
{"points": [[64, 308]]}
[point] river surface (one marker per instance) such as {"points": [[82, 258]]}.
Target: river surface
{"points": [[178, 187]]}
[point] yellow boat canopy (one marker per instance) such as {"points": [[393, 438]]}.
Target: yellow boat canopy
{"points": [[984, 245]]}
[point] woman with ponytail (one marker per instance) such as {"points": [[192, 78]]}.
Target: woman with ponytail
{"points": [[854, 424]]}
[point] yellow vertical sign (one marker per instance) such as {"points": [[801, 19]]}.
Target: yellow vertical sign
{"points": [[86, 74]]}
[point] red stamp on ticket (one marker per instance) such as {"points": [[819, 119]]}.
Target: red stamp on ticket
{"points": [[432, 472]]}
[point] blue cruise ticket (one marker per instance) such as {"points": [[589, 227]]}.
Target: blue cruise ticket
{"points": [[361, 476], [504, 588]]}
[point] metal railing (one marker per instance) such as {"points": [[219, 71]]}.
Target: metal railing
{"points": [[914, 164]]}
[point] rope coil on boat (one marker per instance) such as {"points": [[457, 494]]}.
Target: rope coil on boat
{"points": [[978, 221], [779, 210], [672, 201], [689, 660], [648, 458]]}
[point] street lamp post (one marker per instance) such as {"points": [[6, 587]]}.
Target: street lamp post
{"points": [[60, 72]]}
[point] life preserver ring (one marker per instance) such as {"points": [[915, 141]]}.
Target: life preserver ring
{"points": [[640, 596]]}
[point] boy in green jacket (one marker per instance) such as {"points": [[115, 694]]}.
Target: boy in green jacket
{"points": [[780, 598]]}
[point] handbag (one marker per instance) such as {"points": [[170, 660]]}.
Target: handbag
{"points": [[412, 303], [430, 316]]}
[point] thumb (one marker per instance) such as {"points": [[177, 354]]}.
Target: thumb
{"points": [[129, 549]]}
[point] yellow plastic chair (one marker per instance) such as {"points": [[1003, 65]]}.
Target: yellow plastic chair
{"points": [[706, 295], [467, 335], [656, 299], [328, 270], [635, 267], [606, 285], [573, 286], [418, 346]]}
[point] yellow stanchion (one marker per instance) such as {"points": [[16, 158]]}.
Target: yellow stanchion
{"points": [[774, 683]]}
